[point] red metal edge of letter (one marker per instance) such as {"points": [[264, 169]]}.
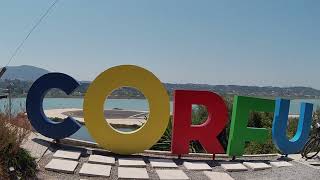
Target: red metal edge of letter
{"points": [[239, 132], [206, 133]]}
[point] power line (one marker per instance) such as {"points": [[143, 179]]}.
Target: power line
{"points": [[31, 30]]}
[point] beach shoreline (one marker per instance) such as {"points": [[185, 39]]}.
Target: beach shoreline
{"points": [[115, 117]]}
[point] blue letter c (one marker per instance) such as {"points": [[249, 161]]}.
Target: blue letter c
{"points": [[34, 106]]}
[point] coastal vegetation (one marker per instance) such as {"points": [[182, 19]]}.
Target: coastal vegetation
{"points": [[15, 162], [21, 87], [22, 77]]}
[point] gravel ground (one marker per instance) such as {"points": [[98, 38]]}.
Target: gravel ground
{"points": [[296, 172]]}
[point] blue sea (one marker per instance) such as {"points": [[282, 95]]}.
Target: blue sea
{"points": [[18, 104]]}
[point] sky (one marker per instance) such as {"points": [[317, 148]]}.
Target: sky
{"points": [[247, 42]]}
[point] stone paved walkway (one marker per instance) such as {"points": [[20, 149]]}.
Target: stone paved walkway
{"points": [[99, 164], [141, 168], [37, 145], [312, 163]]}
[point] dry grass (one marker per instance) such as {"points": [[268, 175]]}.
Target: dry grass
{"points": [[13, 133]]}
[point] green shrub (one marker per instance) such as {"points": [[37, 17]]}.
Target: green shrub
{"points": [[13, 133], [261, 148], [23, 163], [164, 144]]}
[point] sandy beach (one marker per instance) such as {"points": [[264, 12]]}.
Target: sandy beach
{"points": [[115, 117]]}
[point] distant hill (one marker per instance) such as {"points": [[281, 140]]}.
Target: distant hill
{"points": [[255, 91], [24, 73], [23, 76]]}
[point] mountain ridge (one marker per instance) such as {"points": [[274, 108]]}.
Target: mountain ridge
{"points": [[31, 73], [24, 73]]}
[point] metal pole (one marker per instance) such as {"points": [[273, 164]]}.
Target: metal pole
{"points": [[2, 71], [10, 103]]}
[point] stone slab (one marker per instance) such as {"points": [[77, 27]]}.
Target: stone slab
{"points": [[172, 174], [199, 166], [281, 164], [295, 156], [132, 173], [233, 167], [132, 162], [98, 159], [256, 166], [88, 169], [67, 154], [314, 163], [217, 175], [162, 163], [62, 165]]}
